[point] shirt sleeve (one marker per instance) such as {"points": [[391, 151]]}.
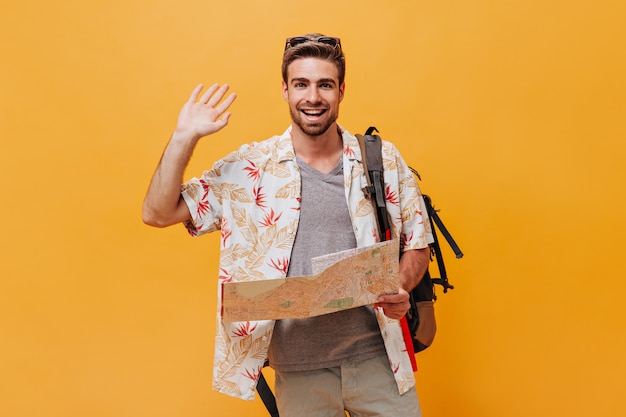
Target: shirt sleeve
{"points": [[416, 229], [203, 204]]}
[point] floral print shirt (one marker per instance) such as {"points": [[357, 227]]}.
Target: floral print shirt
{"points": [[252, 196]]}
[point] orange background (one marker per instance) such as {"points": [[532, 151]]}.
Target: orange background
{"points": [[512, 111]]}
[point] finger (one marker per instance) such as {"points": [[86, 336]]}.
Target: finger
{"points": [[390, 298], [194, 93], [393, 314], [221, 123], [399, 308], [226, 103], [219, 94], [208, 93]]}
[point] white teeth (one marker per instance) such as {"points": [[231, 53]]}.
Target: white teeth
{"points": [[313, 112]]}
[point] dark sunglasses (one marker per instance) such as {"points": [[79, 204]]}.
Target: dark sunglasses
{"points": [[328, 40]]}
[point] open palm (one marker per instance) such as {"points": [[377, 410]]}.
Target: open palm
{"points": [[206, 115]]}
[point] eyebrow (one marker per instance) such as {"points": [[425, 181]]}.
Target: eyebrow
{"points": [[320, 81]]}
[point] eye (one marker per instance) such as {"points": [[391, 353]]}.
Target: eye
{"points": [[299, 85], [326, 85]]}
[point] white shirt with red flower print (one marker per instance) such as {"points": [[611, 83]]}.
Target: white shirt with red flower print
{"points": [[253, 197]]}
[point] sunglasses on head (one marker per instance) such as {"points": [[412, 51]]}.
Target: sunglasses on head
{"points": [[328, 40]]}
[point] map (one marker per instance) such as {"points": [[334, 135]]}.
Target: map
{"points": [[340, 281]]}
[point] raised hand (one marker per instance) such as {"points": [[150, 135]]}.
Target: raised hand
{"points": [[163, 205], [206, 115]]}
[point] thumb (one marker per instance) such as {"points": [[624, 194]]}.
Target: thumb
{"points": [[220, 123]]}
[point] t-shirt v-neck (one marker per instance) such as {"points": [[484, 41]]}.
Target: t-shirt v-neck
{"points": [[317, 173]]}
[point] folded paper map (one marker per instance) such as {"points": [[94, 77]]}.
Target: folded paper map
{"points": [[341, 280]]}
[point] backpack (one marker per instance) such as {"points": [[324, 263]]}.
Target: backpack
{"points": [[419, 324], [420, 319]]}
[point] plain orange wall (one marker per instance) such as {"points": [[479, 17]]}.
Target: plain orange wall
{"points": [[512, 111]]}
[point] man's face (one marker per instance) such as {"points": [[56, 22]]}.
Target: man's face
{"points": [[313, 93]]}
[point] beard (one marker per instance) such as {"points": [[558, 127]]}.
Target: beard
{"points": [[313, 129]]}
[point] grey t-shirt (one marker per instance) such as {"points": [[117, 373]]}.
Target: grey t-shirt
{"points": [[331, 339]]}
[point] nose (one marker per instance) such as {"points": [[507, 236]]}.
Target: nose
{"points": [[313, 95]]}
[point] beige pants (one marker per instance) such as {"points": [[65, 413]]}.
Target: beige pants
{"points": [[363, 389]]}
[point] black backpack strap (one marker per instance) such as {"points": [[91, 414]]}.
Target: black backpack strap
{"points": [[436, 249], [267, 396]]}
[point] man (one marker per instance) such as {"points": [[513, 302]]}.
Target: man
{"points": [[280, 202]]}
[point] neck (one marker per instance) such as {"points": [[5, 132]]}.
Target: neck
{"points": [[322, 152]]}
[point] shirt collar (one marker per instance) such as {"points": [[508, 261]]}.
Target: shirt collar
{"points": [[285, 150]]}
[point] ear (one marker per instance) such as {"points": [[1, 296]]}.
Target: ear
{"points": [[342, 89], [285, 91]]}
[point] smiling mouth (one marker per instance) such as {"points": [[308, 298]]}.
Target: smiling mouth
{"points": [[313, 113]]}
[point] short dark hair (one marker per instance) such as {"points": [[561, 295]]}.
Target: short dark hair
{"points": [[315, 50]]}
